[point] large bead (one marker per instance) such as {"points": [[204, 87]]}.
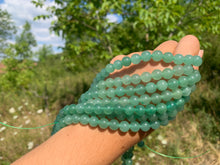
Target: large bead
{"points": [[114, 124], [167, 73], [168, 57], [161, 108], [117, 64], [146, 56], [124, 126], [151, 109], [117, 82], [68, 120], [126, 61], [145, 126], [155, 98], [166, 95], [150, 87], [135, 58], [93, 121], [84, 119], [103, 123], [145, 99], [140, 89], [178, 59], [188, 59], [183, 81], [157, 55], [145, 77], [188, 69], [110, 68], [134, 126], [129, 90], [178, 70], [177, 94], [126, 79], [135, 79], [134, 100], [162, 85], [173, 83], [197, 60]]}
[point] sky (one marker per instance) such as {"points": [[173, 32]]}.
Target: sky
{"points": [[24, 10]]}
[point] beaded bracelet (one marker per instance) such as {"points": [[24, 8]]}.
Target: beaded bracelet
{"points": [[100, 105]]}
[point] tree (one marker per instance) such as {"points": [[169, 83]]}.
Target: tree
{"points": [[43, 52], [89, 35]]}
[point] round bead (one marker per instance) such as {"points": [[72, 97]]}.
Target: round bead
{"points": [[98, 110], [173, 84], [178, 70], [68, 120], [124, 126], [197, 76], [146, 56], [167, 73], [177, 94], [171, 106], [135, 79], [140, 89], [124, 101], [126, 79], [129, 110], [109, 82], [156, 74], [134, 126], [75, 118], [141, 143], [145, 77], [157, 55], [84, 119], [129, 90], [135, 58], [79, 108], [150, 87], [183, 81], [140, 110], [88, 109], [164, 122], [178, 59], [101, 84], [117, 64], [93, 121], [101, 93], [145, 99], [180, 102], [155, 98], [191, 80], [161, 108], [134, 100], [108, 110], [168, 57], [104, 73], [110, 92], [103, 123], [197, 60], [162, 85], [186, 91], [110, 68], [155, 125], [151, 109], [145, 126], [188, 59], [117, 82], [188, 69], [113, 124], [126, 61]]}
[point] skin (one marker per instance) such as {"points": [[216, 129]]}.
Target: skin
{"points": [[78, 144]]}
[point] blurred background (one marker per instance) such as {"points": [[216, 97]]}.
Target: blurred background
{"points": [[50, 51]]}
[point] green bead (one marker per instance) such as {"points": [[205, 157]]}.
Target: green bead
{"points": [[186, 91], [145, 99], [101, 93], [110, 68], [123, 101], [186, 98], [171, 106], [93, 121], [119, 91], [110, 92], [101, 84], [155, 98], [104, 73], [197, 76], [145, 77], [126, 79], [117, 82], [109, 82], [115, 100], [88, 109], [124, 126], [121, 117], [180, 102], [161, 108], [68, 119], [163, 116], [140, 110], [134, 100], [108, 110], [84, 119], [135, 79], [188, 69], [164, 122], [172, 114], [178, 59], [141, 143], [118, 109], [129, 90], [75, 118], [126, 61], [167, 73], [191, 80], [157, 55], [103, 123], [168, 57], [162, 85], [193, 88], [156, 74], [151, 109], [173, 83], [79, 108], [197, 60], [150, 87], [166, 95], [98, 110], [135, 58], [145, 126], [146, 56], [178, 70], [188, 59], [153, 118], [183, 81], [134, 126], [113, 124], [155, 125], [140, 89], [129, 110], [177, 94], [117, 64]]}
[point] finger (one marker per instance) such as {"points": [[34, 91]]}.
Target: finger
{"points": [[167, 46]]}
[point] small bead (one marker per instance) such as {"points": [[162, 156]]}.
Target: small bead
{"points": [[129, 90], [75, 118], [164, 122], [93, 121], [178, 70], [110, 68], [98, 110], [134, 126], [157, 55], [197, 76], [180, 102], [150, 87], [155, 98], [188, 59], [79, 108], [191, 80], [183, 81], [146, 56], [103, 123], [135, 58], [140, 110], [166, 95], [156, 74], [162, 85], [101, 93], [117, 82], [124, 126], [171, 106], [123, 101], [113, 124], [129, 110], [117, 64], [168, 57], [145, 126], [126, 79], [115, 100], [145, 77], [119, 91], [145, 99], [188, 69], [108, 110], [140, 89], [88, 109], [110, 92], [167, 73], [161, 108], [173, 83], [186, 91], [197, 60], [134, 100], [84, 119], [109, 82], [135, 79], [178, 59], [104, 73], [177, 94], [126, 61], [101, 84], [151, 109], [155, 125], [68, 119], [172, 114]]}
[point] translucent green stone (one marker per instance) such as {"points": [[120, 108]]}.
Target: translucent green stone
{"points": [[101, 93], [178, 70], [84, 119], [135, 79], [121, 117], [118, 109], [106, 101], [173, 83], [164, 122], [131, 118], [186, 98], [188, 69], [75, 118], [145, 99], [110, 92], [115, 100], [146, 56], [172, 114], [171, 106], [193, 88], [126, 79], [104, 73], [153, 118], [128, 162], [197, 60], [117, 82], [167, 73], [117, 64], [93, 121], [155, 125], [156, 74], [124, 126], [123, 101], [180, 102], [113, 124], [68, 120], [161, 108], [168, 57], [140, 89], [151, 87], [126, 61], [110, 68], [108, 110], [101, 84], [186, 91], [177, 94], [162, 85], [134, 126], [188, 59], [62, 123], [94, 94], [191, 80], [183, 81], [145, 77], [163, 116], [98, 110], [103, 123], [88, 109], [150, 109], [129, 110], [135, 58], [119, 91], [140, 110], [157, 55], [155, 98], [134, 100], [178, 59], [145, 126], [197, 76], [98, 77], [79, 108], [129, 90], [109, 82]]}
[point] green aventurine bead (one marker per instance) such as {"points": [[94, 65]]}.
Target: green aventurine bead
{"points": [[129, 90], [150, 87], [177, 94], [101, 84], [157, 55], [75, 118], [167, 73], [188, 69], [146, 56], [113, 124], [197, 60], [110, 92], [119, 91], [155, 125], [145, 77], [145, 126], [68, 119], [180, 102], [145, 99], [108, 110], [101, 93], [140, 89], [103, 123], [93, 121], [104, 73], [117, 82], [186, 91], [164, 122], [134, 100], [178, 70], [191, 80], [135, 79], [188, 59], [124, 126], [84, 119], [171, 105], [161, 85], [140, 110], [134, 126], [178, 59], [135, 58], [110, 68], [183, 81], [168, 57], [117, 64], [126, 61], [155, 98], [126, 79], [197, 76], [151, 109], [156, 74], [166, 95], [129, 110], [173, 84], [109, 82], [161, 108]]}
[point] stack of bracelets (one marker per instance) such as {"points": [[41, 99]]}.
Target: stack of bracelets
{"points": [[133, 103]]}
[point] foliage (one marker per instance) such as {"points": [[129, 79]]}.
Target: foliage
{"points": [[90, 36], [43, 52]]}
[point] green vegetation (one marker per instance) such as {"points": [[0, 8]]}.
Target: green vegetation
{"points": [[32, 93]]}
